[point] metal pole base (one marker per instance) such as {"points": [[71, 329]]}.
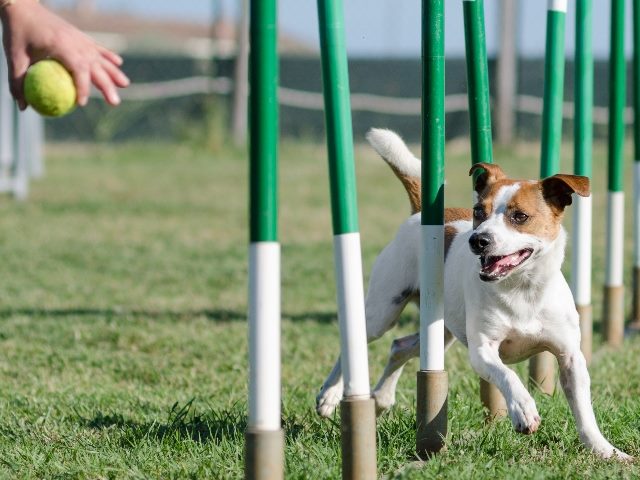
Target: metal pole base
{"points": [[358, 429], [492, 400], [542, 372], [264, 454], [585, 313], [635, 317], [613, 316], [431, 411]]}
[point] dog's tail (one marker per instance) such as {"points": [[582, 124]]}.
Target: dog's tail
{"points": [[404, 164]]}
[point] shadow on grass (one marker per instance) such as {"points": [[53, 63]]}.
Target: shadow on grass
{"points": [[215, 315], [184, 423]]}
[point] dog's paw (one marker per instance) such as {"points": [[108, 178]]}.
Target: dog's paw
{"points": [[608, 451], [384, 401], [621, 456], [327, 401], [524, 415]]}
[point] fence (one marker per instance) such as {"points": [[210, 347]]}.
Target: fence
{"points": [[171, 96]]}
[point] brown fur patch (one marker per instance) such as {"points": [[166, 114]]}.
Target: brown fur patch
{"points": [[450, 232], [455, 214], [413, 187], [557, 190], [544, 220], [491, 174], [487, 194], [449, 235]]}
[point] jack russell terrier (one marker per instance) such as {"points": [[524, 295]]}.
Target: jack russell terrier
{"points": [[505, 296]]}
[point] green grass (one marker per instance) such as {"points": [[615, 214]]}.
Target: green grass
{"points": [[123, 334]]}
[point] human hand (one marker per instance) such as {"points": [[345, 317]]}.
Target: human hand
{"points": [[31, 33]]}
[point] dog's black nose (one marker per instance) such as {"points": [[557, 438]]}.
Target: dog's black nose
{"points": [[479, 242]]}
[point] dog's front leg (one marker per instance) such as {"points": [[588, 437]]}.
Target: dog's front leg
{"points": [[575, 381], [486, 361]]}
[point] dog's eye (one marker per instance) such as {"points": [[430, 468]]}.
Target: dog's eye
{"points": [[478, 213], [519, 217]]}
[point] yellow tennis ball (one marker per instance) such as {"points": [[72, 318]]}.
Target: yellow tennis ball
{"points": [[49, 88]]}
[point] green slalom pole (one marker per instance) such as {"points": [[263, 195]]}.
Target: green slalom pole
{"points": [[477, 82], [582, 144], [553, 89], [636, 166], [481, 139], [357, 409], [542, 366], [613, 315], [264, 437], [432, 380]]}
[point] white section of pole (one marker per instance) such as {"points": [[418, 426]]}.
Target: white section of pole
{"points": [[351, 315], [264, 336], [20, 183], [35, 141], [581, 251], [6, 123], [431, 298], [615, 239], [557, 5]]}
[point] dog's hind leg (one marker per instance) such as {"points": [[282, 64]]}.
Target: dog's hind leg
{"points": [[379, 320], [402, 350], [392, 285], [381, 315]]}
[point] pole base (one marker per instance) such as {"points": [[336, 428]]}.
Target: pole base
{"points": [[542, 372], [264, 454], [613, 315], [358, 429], [492, 400], [585, 312], [431, 411]]}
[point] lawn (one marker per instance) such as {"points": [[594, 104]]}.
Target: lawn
{"points": [[123, 332]]}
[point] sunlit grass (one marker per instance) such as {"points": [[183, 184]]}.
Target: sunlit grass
{"points": [[124, 341]]}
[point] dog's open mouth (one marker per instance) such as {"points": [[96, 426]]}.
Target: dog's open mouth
{"points": [[496, 266]]}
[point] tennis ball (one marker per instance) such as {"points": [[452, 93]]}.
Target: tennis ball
{"points": [[49, 88]]}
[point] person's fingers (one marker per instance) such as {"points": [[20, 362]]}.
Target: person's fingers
{"points": [[18, 64], [103, 82], [110, 56], [82, 79], [117, 76]]}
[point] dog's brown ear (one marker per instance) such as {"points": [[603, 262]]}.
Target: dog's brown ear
{"points": [[492, 173], [557, 189]]}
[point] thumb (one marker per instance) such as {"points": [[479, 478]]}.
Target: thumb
{"points": [[18, 64]]}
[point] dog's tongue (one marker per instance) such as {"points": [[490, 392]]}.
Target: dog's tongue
{"points": [[497, 264]]}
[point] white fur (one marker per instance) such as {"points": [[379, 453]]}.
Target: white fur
{"points": [[505, 321]]}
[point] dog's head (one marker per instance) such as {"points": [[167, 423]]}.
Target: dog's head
{"points": [[515, 221]]}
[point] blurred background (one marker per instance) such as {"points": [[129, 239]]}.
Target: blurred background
{"points": [[188, 65]]}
